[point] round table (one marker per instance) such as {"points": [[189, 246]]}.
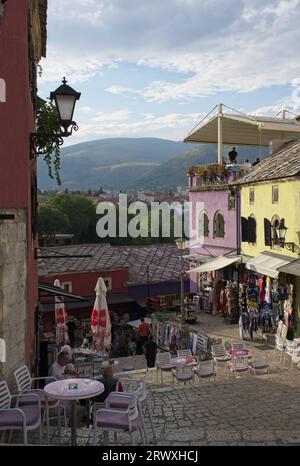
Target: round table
{"points": [[74, 390], [187, 360], [240, 353]]}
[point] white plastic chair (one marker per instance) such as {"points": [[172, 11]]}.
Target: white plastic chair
{"points": [[186, 353], [238, 345], [24, 383], [259, 363], [292, 349], [163, 364], [279, 348], [238, 365], [220, 355], [183, 373], [125, 420], [25, 418], [120, 400], [206, 370]]}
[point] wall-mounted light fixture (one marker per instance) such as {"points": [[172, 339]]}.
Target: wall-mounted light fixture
{"points": [[65, 98], [281, 232]]}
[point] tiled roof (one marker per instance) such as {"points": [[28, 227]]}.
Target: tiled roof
{"points": [[153, 263], [282, 164]]}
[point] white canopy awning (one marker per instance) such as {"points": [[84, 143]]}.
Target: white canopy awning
{"points": [[268, 263], [215, 264], [244, 130]]}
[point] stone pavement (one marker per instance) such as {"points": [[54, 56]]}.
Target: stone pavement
{"points": [[251, 410]]}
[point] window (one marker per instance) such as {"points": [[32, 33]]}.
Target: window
{"points": [[231, 202], [268, 232], [67, 286], [251, 229], [219, 225], [108, 283], [275, 194], [251, 196], [275, 224], [203, 224]]}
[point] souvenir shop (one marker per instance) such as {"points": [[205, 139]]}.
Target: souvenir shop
{"points": [[171, 336], [218, 291], [264, 301]]}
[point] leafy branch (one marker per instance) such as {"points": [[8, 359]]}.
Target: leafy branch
{"points": [[48, 133]]}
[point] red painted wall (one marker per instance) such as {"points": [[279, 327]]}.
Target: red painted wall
{"points": [[16, 123], [84, 283]]}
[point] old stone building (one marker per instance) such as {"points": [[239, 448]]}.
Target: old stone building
{"points": [[22, 44]]}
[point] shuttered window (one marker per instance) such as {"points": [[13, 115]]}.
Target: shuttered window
{"points": [[219, 226], [251, 230], [203, 224], [244, 229], [268, 232]]}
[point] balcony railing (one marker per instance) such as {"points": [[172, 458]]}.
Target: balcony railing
{"points": [[214, 175]]}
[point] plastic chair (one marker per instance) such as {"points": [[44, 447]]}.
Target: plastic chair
{"points": [[163, 364], [292, 349], [186, 353], [259, 363], [25, 418], [24, 383], [120, 400], [113, 420], [183, 373], [238, 345], [279, 347], [238, 366], [206, 370], [220, 355]]}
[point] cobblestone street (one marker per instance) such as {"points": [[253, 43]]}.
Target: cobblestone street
{"points": [[251, 410]]}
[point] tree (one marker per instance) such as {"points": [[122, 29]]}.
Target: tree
{"points": [[51, 221], [81, 214]]}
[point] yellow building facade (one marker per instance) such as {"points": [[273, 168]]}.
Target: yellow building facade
{"points": [[277, 199]]}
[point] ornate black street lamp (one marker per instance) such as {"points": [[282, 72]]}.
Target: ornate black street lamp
{"points": [[281, 232], [181, 245], [65, 98]]}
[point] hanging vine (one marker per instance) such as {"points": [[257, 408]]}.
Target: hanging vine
{"points": [[48, 139]]}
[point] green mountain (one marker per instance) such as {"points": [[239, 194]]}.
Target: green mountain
{"points": [[129, 164], [111, 163], [172, 173]]}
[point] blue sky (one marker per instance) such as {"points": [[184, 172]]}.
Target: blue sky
{"points": [[155, 68]]}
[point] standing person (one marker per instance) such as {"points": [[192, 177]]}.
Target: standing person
{"points": [[150, 349], [247, 166], [144, 332], [232, 155]]}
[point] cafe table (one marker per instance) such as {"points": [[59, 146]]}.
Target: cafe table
{"points": [[73, 390], [240, 353]]}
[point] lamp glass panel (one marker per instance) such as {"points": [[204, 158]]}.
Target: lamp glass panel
{"points": [[65, 106]]}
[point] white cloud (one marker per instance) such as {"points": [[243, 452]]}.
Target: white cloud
{"points": [[237, 45], [116, 124], [85, 110]]}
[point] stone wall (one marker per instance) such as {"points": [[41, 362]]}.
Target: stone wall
{"points": [[13, 289]]}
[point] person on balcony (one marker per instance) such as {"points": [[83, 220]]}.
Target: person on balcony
{"points": [[232, 155], [247, 166]]}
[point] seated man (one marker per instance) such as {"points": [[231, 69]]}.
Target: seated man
{"points": [[109, 382], [61, 368]]}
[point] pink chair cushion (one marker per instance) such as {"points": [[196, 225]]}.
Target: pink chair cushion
{"points": [[32, 400], [115, 420], [184, 376], [258, 365], [117, 402], [166, 367], [204, 372], [11, 417]]}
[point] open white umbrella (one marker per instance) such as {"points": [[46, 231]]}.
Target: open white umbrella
{"points": [[100, 319], [61, 318]]}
